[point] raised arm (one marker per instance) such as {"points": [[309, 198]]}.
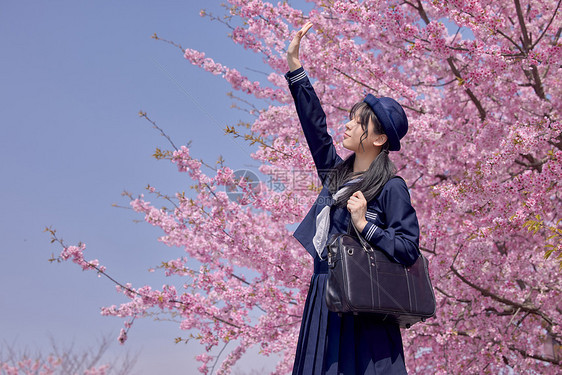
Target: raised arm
{"points": [[309, 110]]}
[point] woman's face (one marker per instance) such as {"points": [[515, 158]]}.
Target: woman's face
{"points": [[352, 136]]}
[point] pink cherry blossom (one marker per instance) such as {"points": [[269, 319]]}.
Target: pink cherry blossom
{"points": [[483, 158]]}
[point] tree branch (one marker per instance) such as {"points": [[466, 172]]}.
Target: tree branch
{"points": [[469, 92], [527, 48], [535, 356], [554, 361], [485, 292], [548, 25], [421, 111]]}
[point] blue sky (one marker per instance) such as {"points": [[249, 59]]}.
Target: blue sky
{"points": [[74, 75]]}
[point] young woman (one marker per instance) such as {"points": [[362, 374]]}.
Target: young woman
{"points": [[362, 191]]}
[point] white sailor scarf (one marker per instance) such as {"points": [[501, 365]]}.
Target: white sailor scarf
{"points": [[323, 219]]}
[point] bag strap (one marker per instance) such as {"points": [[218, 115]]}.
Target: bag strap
{"points": [[363, 242]]}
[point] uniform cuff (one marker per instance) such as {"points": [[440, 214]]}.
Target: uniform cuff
{"points": [[295, 76], [369, 231]]}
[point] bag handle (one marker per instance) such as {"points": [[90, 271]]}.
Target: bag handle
{"points": [[363, 242]]}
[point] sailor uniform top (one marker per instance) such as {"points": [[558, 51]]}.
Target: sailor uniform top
{"points": [[392, 225]]}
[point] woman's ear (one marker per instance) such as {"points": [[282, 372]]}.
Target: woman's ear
{"points": [[380, 140]]}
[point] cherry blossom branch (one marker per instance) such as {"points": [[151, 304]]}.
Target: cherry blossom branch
{"points": [[355, 80], [217, 357], [232, 238], [533, 162], [522, 25], [162, 133], [522, 54], [437, 84], [487, 293], [159, 154], [101, 271], [254, 111], [548, 25], [202, 209], [253, 139], [538, 87], [554, 361], [421, 111], [450, 296], [154, 36], [469, 92], [535, 356]]}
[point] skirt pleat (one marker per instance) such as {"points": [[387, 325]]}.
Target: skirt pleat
{"points": [[310, 354]]}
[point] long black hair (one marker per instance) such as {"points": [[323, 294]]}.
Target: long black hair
{"points": [[379, 172]]}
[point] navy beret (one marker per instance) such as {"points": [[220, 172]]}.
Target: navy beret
{"points": [[392, 117]]}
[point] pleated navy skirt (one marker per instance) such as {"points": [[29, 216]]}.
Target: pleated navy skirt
{"points": [[347, 345]]}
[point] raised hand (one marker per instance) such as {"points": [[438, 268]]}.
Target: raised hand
{"points": [[293, 50]]}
